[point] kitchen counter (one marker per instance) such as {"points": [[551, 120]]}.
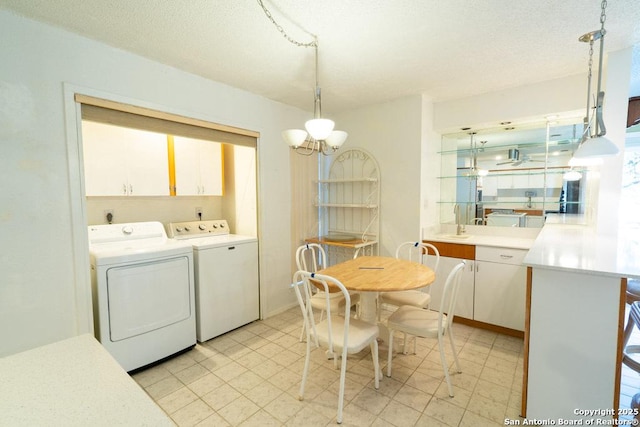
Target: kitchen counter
{"points": [[74, 382], [576, 296], [566, 243], [483, 240]]}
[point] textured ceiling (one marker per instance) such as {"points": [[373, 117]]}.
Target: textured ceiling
{"points": [[370, 50]]}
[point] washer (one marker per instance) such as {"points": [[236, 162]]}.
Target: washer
{"points": [[226, 276], [143, 292]]}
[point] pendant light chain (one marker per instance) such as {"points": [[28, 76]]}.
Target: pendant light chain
{"points": [[314, 43]]}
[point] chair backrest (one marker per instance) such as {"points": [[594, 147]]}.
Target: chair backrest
{"points": [[450, 294], [415, 251], [302, 286], [311, 257]]}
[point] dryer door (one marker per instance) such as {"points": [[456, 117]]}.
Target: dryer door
{"points": [[147, 296]]}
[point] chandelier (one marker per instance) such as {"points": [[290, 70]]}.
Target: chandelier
{"points": [[319, 134], [593, 144]]}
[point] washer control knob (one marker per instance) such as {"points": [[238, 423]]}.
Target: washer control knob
{"points": [[127, 229], [187, 228], [214, 225], [202, 227], [178, 229], [222, 225]]}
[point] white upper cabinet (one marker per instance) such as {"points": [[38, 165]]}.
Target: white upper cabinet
{"points": [[121, 161], [198, 165]]}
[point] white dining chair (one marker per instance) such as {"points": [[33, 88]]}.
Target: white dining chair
{"points": [[312, 257], [429, 323], [416, 252], [341, 335]]}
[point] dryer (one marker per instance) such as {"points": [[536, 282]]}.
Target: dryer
{"points": [[226, 273], [143, 292]]}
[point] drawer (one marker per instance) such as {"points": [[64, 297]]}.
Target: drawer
{"points": [[500, 255], [454, 250]]}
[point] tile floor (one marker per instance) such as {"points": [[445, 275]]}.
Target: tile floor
{"points": [[251, 377]]}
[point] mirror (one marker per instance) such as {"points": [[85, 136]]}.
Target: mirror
{"points": [[511, 176]]}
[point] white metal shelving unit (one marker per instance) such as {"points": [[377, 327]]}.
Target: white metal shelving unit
{"points": [[349, 206]]}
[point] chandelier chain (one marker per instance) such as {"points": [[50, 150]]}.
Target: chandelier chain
{"points": [[603, 15], [313, 43]]}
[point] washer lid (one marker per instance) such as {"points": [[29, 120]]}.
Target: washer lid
{"points": [[118, 254], [219, 241], [134, 241]]}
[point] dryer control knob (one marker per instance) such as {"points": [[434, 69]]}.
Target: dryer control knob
{"points": [[222, 225], [202, 227], [127, 229], [178, 229], [187, 228]]}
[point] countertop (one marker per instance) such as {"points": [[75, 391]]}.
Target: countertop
{"points": [[484, 240], [567, 243], [74, 382]]}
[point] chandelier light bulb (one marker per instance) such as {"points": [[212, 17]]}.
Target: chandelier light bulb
{"points": [[294, 137], [319, 129], [336, 139]]}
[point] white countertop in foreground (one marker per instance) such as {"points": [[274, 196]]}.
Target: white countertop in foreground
{"points": [[567, 245], [74, 382]]}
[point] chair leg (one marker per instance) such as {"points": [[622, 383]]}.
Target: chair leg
{"points": [[404, 343], [343, 372], [390, 353], [453, 349], [376, 363], [627, 331], [305, 371], [443, 359]]}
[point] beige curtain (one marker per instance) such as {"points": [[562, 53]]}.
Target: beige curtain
{"points": [[304, 195]]}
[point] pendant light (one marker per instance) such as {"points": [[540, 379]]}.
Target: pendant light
{"points": [[594, 144], [319, 135]]}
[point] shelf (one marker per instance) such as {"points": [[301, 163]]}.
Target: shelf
{"points": [[342, 181], [347, 205], [354, 244], [553, 146], [517, 172]]}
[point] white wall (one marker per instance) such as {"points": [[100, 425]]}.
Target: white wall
{"points": [[391, 132], [44, 286], [519, 103]]}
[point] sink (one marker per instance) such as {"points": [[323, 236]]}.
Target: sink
{"points": [[456, 236]]}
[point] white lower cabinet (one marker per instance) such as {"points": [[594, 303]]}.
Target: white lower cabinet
{"points": [[464, 305], [493, 287], [500, 287]]}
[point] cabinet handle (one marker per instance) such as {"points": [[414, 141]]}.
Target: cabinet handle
{"points": [[124, 189], [130, 189]]}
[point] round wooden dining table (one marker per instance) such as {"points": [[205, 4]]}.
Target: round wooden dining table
{"points": [[372, 274]]}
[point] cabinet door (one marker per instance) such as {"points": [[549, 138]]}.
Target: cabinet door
{"points": [[147, 160], [105, 169], [210, 168], [500, 294], [521, 180], [505, 181], [187, 165], [121, 161], [464, 305], [198, 167], [490, 186]]}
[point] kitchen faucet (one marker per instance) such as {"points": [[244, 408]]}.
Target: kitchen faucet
{"points": [[459, 227]]}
